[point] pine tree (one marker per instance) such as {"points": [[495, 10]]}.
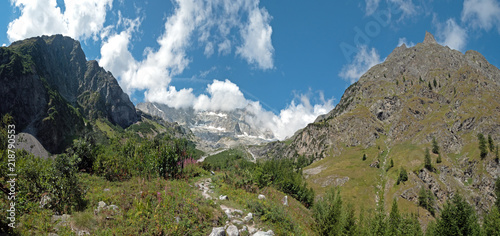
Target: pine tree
{"points": [[491, 225], [349, 227], [364, 157], [394, 220], [403, 176], [490, 143], [438, 160], [457, 218], [435, 147], [427, 160], [430, 86], [435, 83], [482, 146]]}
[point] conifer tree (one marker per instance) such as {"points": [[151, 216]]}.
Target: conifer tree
{"points": [[438, 160], [482, 146], [490, 143], [427, 160], [394, 220], [435, 147]]}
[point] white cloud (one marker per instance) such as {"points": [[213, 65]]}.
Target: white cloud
{"points": [[363, 61], [483, 14], [404, 7], [3, 45], [257, 47], [81, 20], [296, 116], [183, 98], [224, 96], [452, 35], [405, 41]]}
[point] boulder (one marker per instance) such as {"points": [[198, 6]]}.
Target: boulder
{"points": [[261, 197], [219, 231], [232, 231]]}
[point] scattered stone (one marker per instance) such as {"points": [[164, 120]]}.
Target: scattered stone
{"points": [[232, 231], [261, 197], [237, 222], [262, 233], [101, 205], [211, 172], [243, 229], [106, 190], [219, 231], [223, 197], [239, 212], [248, 218], [112, 207], [177, 219], [285, 201]]}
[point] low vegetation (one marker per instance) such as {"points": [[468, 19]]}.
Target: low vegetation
{"points": [[148, 186]]}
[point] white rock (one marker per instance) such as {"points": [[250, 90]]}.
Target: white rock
{"points": [[285, 201], [232, 231], [219, 231], [261, 197], [262, 233], [248, 218], [223, 197]]}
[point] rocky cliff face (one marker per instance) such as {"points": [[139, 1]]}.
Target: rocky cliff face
{"points": [[417, 94], [213, 129], [49, 87]]}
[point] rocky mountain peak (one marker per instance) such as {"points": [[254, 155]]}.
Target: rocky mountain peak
{"points": [[53, 88], [429, 38]]}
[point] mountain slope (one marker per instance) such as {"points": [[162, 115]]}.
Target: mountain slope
{"points": [[393, 113], [50, 89]]}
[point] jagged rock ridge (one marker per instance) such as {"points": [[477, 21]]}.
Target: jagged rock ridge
{"points": [[49, 87]]}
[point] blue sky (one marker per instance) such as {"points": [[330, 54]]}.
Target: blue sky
{"points": [[281, 56]]}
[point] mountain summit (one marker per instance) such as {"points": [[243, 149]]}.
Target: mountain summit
{"points": [[418, 95], [49, 88]]}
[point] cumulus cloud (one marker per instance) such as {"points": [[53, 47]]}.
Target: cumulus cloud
{"points": [[363, 60], [257, 47], [81, 20], [296, 116], [452, 35], [483, 14]]}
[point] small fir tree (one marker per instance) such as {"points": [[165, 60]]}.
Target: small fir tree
{"points": [[482, 146], [427, 160], [490, 143], [435, 147]]}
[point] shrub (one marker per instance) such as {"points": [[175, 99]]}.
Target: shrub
{"points": [[482, 146]]}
